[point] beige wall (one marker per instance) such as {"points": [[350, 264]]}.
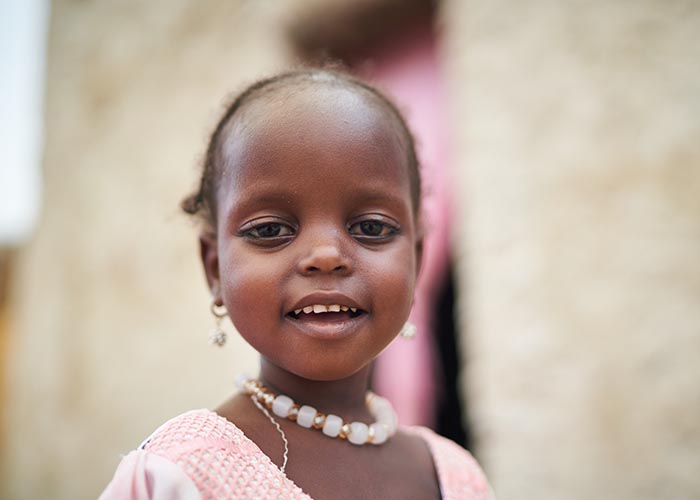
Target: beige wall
{"points": [[580, 182]]}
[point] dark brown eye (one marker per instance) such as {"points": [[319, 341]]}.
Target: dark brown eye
{"points": [[372, 229], [269, 230]]}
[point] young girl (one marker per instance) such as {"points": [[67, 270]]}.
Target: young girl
{"points": [[311, 242]]}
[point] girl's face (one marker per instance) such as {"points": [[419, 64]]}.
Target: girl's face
{"points": [[314, 212]]}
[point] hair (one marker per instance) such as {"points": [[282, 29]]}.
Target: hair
{"points": [[202, 203]]}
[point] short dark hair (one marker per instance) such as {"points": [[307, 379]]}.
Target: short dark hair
{"points": [[202, 203]]}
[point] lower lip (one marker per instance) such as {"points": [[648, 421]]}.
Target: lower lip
{"points": [[325, 329]]}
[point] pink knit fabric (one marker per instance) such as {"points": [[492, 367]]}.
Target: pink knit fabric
{"points": [[201, 452]]}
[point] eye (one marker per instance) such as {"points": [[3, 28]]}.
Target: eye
{"points": [[267, 232], [373, 229]]}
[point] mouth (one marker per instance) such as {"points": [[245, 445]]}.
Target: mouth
{"points": [[326, 313], [327, 319]]}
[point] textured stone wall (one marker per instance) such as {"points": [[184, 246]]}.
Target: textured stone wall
{"points": [[579, 148], [109, 306]]}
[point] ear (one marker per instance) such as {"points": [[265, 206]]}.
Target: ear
{"points": [[209, 253]]}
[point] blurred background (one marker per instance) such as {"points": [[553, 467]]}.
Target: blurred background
{"points": [[559, 307]]}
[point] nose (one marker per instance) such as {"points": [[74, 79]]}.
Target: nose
{"points": [[325, 258]]}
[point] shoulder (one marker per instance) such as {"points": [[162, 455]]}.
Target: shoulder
{"points": [[459, 473], [194, 429], [182, 458]]}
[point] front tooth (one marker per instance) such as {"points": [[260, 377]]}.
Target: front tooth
{"points": [[353, 309], [308, 309], [320, 309], [334, 308], [344, 308], [297, 311]]}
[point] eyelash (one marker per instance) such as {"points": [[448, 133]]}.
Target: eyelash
{"points": [[252, 231], [387, 229], [257, 228]]}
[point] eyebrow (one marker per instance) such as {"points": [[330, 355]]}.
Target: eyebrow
{"points": [[379, 196], [263, 197], [272, 195]]}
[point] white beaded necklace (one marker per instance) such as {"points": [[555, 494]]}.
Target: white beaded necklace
{"points": [[358, 433]]}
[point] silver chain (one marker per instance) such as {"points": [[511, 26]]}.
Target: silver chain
{"points": [[279, 429]]}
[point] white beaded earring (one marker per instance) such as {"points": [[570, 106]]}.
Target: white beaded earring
{"points": [[217, 336], [408, 331]]}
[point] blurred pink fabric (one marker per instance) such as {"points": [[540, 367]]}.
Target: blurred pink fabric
{"points": [[409, 72], [200, 455]]}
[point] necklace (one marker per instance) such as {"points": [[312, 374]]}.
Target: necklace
{"points": [[357, 433]]}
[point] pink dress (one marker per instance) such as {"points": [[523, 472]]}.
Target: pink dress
{"points": [[200, 455]]}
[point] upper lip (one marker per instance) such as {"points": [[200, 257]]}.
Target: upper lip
{"points": [[326, 299]]}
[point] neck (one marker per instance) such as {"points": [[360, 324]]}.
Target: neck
{"points": [[344, 397]]}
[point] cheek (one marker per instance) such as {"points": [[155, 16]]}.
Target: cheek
{"points": [[393, 279], [249, 286], [250, 293]]}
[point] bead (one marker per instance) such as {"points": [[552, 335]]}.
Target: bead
{"points": [[319, 421], [378, 405], [344, 431], [408, 331], [379, 433], [392, 426], [250, 387], [281, 405], [306, 416], [241, 381], [332, 426], [382, 409], [358, 433], [217, 337]]}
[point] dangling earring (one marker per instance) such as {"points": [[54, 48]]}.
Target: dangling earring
{"points": [[408, 331], [218, 336]]}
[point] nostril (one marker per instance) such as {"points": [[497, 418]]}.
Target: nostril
{"points": [[318, 269], [324, 259]]}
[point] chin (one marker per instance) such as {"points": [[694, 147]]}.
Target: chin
{"points": [[328, 373]]}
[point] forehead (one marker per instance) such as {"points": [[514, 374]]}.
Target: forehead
{"points": [[340, 133], [323, 102]]}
